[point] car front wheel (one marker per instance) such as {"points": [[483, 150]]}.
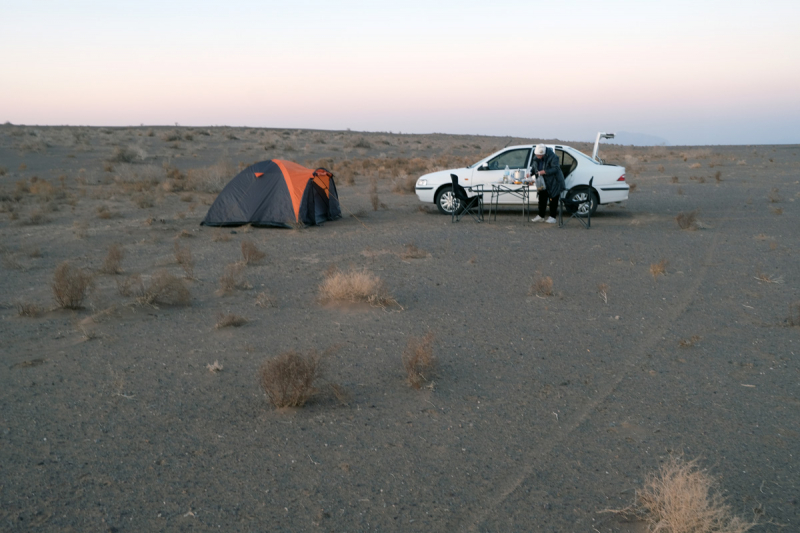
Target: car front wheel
{"points": [[588, 199], [446, 200]]}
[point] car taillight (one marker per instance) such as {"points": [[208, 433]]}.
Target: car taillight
{"points": [[621, 178]]}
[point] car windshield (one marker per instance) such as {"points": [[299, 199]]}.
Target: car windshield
{"points": [[516, 158]]}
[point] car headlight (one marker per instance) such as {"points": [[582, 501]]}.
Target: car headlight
{"points": [[422, 183]]}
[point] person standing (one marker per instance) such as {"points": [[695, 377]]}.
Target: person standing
{"points": [[546, 164]]}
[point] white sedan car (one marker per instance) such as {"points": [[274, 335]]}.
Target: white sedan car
{"points": [[608, 187]]}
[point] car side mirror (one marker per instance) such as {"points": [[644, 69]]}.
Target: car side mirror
{"points": [[484, 166]]}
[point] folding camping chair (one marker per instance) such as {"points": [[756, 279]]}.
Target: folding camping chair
{"points": [[472, 205], [573, 208]]}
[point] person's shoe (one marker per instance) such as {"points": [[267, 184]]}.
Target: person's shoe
{"points": [[550, 220], [537, 218]]}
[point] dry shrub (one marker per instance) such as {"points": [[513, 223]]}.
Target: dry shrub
{"points": [[774, 196], [127, 154], [105, 212], [602, 290], [776, 210], [373, 193], [688, 221], [112, 262], [183, 256], [418, 359], [355, 286], [632, 187], [659, 269], [144, 200], [718, 176], [130, 286], [70, 285], [766, 278], [81, 229], [28, 309], [263, 299], [675, 179], [288, 379], [691, 341], [404, 184], [695, 165], [682, 498], [412, 252], [542, 287], [251, 254], [164, 289], [233, 278], [211, 179], [230, 320]]}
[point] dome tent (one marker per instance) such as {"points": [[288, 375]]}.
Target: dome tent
{"points": [[276, 193]]}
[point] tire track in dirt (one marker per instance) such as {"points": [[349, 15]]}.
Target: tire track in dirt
{"points": [[506, 486]]}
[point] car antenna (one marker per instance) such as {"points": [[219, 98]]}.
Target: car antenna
{"points": [[509, 141]]}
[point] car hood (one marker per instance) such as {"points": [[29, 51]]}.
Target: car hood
{"points": [[443, 176]]}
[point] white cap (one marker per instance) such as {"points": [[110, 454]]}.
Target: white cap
{"points": [[540, 149]]}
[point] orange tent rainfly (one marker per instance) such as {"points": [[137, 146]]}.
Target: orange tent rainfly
{"points": [[276, 193]]}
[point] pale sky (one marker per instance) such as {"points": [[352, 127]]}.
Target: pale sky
{"points": [[699, 72]]}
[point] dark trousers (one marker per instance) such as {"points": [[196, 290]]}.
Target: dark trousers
{"points": [[543, 198]]}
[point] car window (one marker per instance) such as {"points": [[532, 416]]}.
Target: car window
{"points": [[513, 158], [567, 162]]}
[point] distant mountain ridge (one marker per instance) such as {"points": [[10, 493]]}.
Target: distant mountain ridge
{"points": [[637, 139]]}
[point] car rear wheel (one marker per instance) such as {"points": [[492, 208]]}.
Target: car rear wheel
{"points": [[446, 201], [587, 197]]}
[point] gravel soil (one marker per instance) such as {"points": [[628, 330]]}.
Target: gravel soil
{"points": [[542, 413]]}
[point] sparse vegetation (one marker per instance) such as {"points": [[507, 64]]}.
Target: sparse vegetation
{"points": [[412, 252], [774, 196], [112, 264], [288, 379], [659, 269], [163, 289], [70, 285], [542, 287], [766, 278], [355, 286], [230, 320], [373, 193], [602, 290], [28, 309], [263, 299], [682, 498], [233, 278], [688, 343], [183, 256], [126, 155], [418, 360], [251, 254], [688, 220]]}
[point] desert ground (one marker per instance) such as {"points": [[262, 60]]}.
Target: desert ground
{"points": [[549, 402]]}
